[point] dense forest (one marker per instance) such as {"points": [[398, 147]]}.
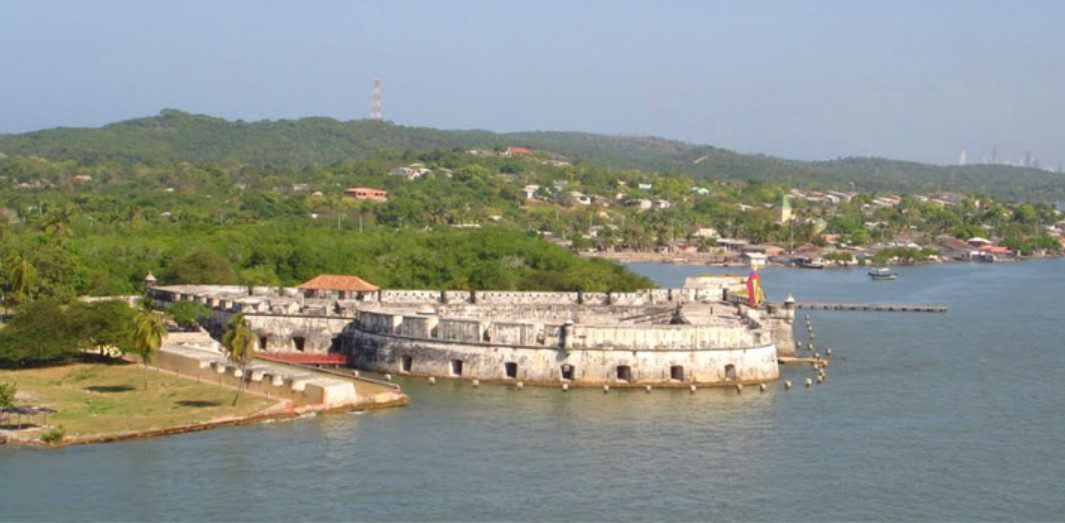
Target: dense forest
{"points": [[174, 136]]}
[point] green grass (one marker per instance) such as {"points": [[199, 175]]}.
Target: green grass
{"points": [[98, 398]]}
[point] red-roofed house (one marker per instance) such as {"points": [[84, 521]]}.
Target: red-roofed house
{"points": [[366, 193], [995, 249], [518, 151], [337, 287]]}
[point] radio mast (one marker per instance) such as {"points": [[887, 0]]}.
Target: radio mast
{"points": [[375, 108]]}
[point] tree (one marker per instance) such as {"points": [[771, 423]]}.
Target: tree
{"points": [[40, 332], [103, 324], [148, 333], [187, 314], [201, 266], [22, 278], [239, 342]]}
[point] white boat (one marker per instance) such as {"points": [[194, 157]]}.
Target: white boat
{"points": [[883, 273]]}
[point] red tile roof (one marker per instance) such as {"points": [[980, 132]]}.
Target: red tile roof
{"points": [[337, 282]]}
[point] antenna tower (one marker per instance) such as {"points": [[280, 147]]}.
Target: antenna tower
{"points": [[375, 109]]}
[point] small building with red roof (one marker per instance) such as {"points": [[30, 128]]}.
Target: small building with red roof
{"points": [[367, 193], [337, 287]]}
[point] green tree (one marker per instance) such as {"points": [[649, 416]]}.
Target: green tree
{"points": [[21, 278], [41, 332], [239, 342], [148, 332], [201, 266], [103, 324], [187, 314], [7, 394]]}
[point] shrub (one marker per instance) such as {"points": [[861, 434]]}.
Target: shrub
{"points": [[7, 394], [54, 435]]}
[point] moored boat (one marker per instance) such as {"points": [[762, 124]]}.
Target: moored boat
{"points": [[883, 273]]}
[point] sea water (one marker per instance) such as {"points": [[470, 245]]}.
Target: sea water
{"points": [[923, 416]]}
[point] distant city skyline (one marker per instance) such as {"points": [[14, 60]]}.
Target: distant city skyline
{"points": [[915, 81]]}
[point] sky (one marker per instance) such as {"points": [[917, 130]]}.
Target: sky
{"points": [[915, 80]]}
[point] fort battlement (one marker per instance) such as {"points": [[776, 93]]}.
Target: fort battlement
{"points": [[665, 337]]}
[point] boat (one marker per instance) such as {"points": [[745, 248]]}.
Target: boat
{"points": [[810, 263], [883, 273]]}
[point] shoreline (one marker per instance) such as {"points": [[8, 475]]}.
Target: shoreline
{"points": [[286, 413], [714, 261]]}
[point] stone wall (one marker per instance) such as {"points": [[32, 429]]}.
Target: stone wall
{"points": [[546, 365], [666, 337], [295, 386]]}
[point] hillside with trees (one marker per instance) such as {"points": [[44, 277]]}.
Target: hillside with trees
{"points": [[176, 136]]}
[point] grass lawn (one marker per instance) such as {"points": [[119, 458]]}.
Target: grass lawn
{"points": [[103, 398]]}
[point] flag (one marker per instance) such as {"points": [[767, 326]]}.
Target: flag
{"points": [[754, 290]]}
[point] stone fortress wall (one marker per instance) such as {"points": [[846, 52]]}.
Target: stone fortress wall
{"points": [[664, 337]]}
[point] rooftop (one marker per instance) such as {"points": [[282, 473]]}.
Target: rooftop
{"points": [[338, 282]]}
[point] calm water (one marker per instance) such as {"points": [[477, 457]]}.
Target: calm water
{"points": [[955, 416]]}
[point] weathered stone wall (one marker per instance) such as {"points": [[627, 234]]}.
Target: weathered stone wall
{"points": [[657, 337], [296, 387], [514, 333], [544, 365], [417, 326], [460, 329]]}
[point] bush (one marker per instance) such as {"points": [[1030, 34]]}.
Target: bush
{"points": [[7, 394], [54, 435]]}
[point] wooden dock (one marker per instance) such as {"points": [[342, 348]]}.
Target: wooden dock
{"points": [[871, 307]]}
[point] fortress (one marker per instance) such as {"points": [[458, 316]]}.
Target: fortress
{"points": [[701, 334]]}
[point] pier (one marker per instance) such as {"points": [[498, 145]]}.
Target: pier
{"points": [[871, 307]]}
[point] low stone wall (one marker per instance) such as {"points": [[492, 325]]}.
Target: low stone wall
{"points": [[298, 387]]}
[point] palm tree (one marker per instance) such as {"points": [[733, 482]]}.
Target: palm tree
{"points": [[239, 342], [55, 222], [148, 331], [22, 278]]}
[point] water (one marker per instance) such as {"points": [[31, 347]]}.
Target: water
{"points": [[930, 416]]}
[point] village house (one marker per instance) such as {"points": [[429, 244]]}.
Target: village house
{"points": [[705, 232], [953, 248], [732, 244], [366, 193], [639, 203], [517, 151], [530, 191], [580, 198], [946, 199], [410, 173], [767, 249], [660, 203], [337, 287]]}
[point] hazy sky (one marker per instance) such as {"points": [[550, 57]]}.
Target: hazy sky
{"points": [[912, 80]]}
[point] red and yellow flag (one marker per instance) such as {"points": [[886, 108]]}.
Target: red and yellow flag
{"points": [[754, 290]]}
